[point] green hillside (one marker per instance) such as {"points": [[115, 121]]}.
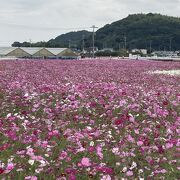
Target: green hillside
{"points": [[140, 31], [72, 39]]}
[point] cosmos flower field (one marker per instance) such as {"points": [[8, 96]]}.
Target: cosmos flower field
{"points": [[91, 119]]}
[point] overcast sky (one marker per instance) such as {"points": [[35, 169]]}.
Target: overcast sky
{"points": [[38, 20]]}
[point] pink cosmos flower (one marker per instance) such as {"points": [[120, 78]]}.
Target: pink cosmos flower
{"points": [[99, 152], [136, 131], [130, 139], [91, 149], [4, 147], [106, 177], [31, 178], [44, 144], [169, 145], [53, 133], [86, 162], [70, 171], [140, 143], [163, 171], [12, 135], [132, 119], [106, 170], [72, 177], [10, 166], [63, 155], [30, 151], [37, 158], [129, 173]]}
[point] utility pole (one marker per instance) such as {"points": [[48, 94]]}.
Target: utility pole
{"points": [[30, 41], [170, 44], [104, 45], [69, 44], [83, 43], [93, 27], [119, 47], [164, 48], [150, 46], [125, 42]]}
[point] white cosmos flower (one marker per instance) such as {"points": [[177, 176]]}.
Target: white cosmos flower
{"points": [[31, 162], [26, 95], [115, 150], [92, 143], [134, 165], [124, 169], [140, 171], [89, 128], [8, 115]]}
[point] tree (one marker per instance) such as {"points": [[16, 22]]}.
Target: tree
{"points": [[16, 44]]}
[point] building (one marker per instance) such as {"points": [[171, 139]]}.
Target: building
{"points": [[4, 51], [166, 53], [107, 49], [141, 51], [38, 53], [62, 53]]}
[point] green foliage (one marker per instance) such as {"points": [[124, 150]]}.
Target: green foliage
{"points": [[72, 39], [139, 29], [121, 53]]}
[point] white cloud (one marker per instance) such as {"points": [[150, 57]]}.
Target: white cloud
{"points": [[44, 19]]}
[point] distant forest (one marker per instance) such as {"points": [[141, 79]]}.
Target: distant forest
{"points": [[147, 31]]}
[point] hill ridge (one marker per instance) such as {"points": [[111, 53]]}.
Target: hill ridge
{"points": [[161, 32]]}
